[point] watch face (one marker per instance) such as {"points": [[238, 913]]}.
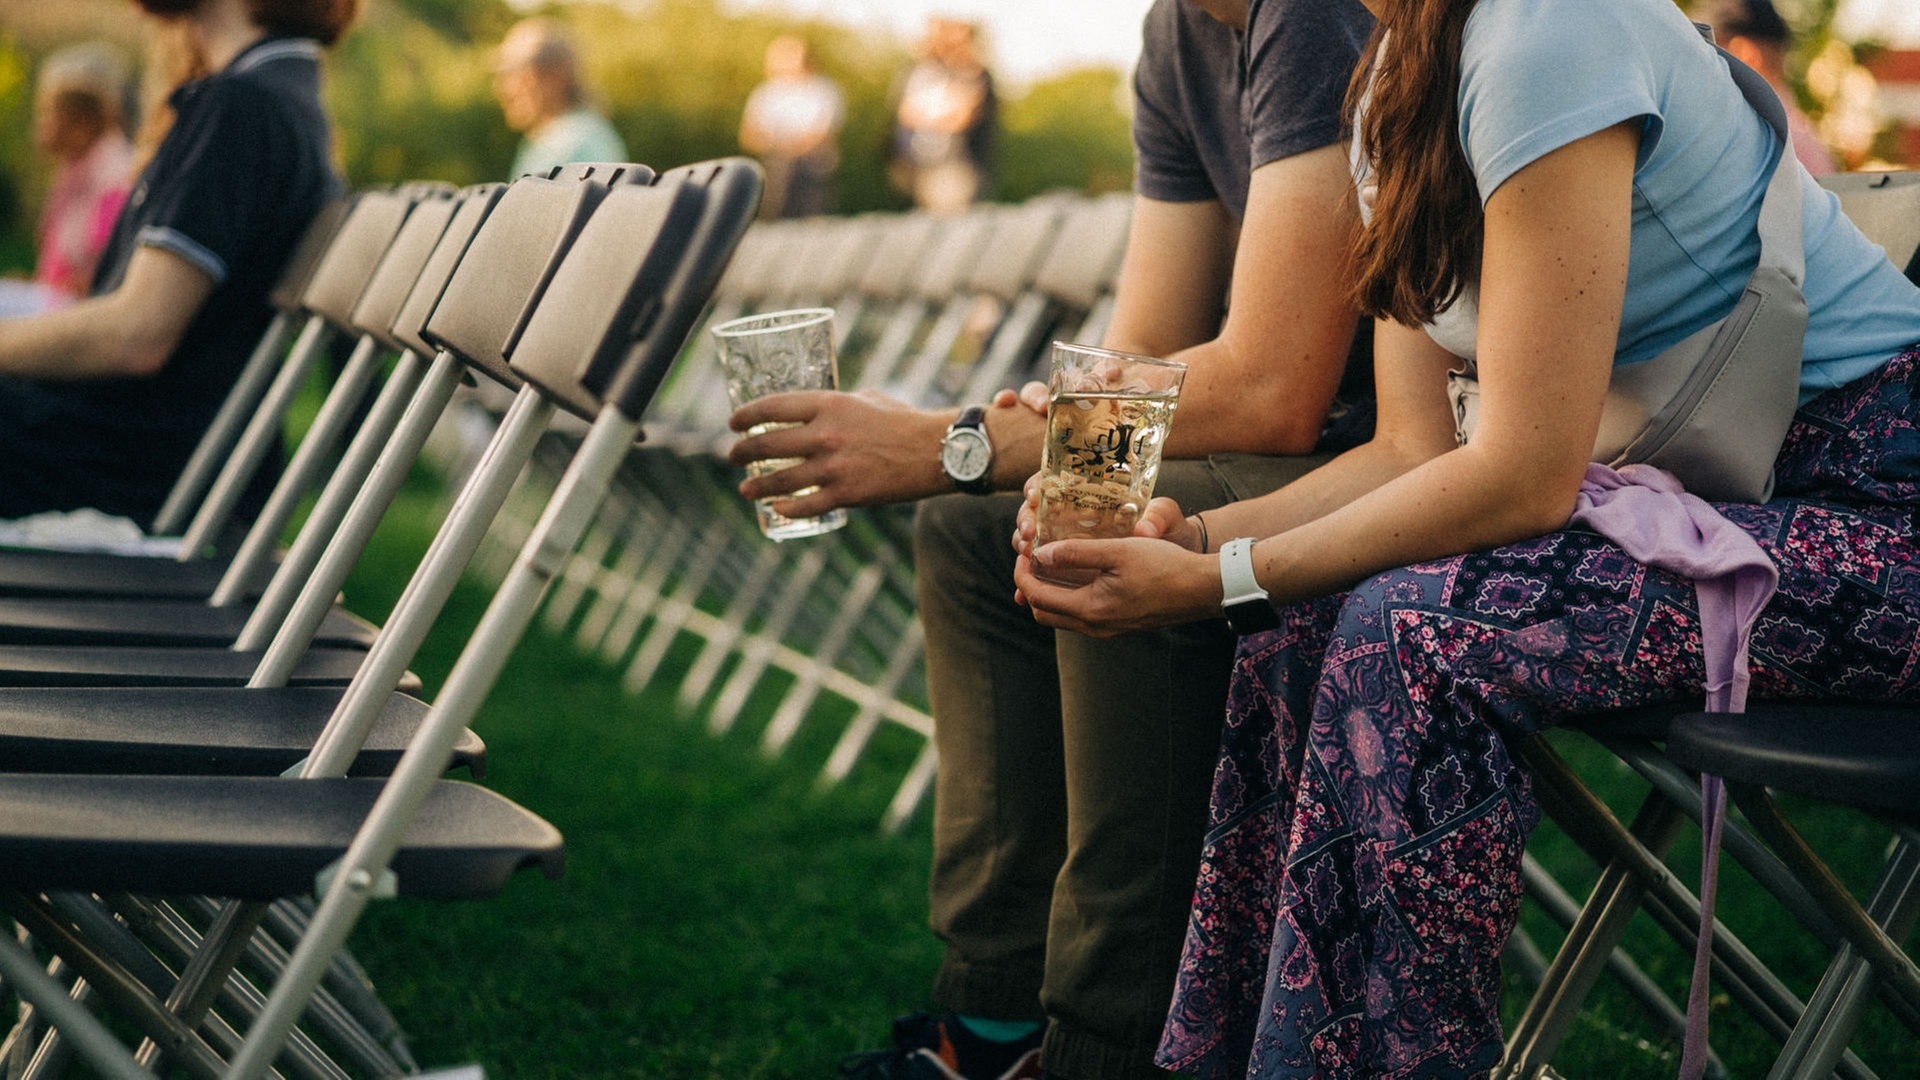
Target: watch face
{"points": [[1251, 617], [965, 455]]}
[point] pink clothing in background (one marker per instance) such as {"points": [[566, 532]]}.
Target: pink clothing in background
{"points": [[82, 204]]}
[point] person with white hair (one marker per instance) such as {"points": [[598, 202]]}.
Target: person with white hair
{"points": [[537, 80]]}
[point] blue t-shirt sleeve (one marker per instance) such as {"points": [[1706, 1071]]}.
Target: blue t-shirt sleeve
{"points": [[234, 162], [1533, 79]]}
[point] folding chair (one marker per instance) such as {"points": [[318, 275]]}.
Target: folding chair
{"points": [[1862, 757], [618, 313], [1886, 207], [381, 275], [243, 434], [269, 725], [1083, 264]]}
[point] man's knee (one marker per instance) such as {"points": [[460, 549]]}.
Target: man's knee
{"points": [[954, 531]]}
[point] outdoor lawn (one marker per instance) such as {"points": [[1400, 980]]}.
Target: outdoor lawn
{"points": [[720, 917]]}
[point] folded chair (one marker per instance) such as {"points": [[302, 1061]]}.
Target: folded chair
{"points": [[1886, 206], [483, 303], [243, 434], [1082, 266], [269, 725], [373, 279], [618, 312], [490, 263]]}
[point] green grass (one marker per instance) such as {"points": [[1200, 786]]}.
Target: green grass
{"points": [[718, 916], [722, 918]]}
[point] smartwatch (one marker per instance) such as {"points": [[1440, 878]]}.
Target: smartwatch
{"points": [[1248, 609], [966, 454]]}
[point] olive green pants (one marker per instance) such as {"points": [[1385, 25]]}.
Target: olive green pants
{"points": [[1073, 786]]}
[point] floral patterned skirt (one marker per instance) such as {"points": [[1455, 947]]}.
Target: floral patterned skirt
{"points": [[1362, 865]]}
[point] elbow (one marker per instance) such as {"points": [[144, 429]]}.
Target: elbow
{"points": [[1534, 507], [138, 357], [1539, 516], [131, 346], [1291, 430]]}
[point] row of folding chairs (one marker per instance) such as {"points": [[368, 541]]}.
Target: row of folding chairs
{"points": [[941, 312], [196, 743], [935, 310]]}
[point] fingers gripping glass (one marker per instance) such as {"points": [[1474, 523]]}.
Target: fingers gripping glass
{"points": [[1108, 414], [771, 354]]}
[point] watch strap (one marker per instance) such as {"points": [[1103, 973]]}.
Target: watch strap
{"points": [[1247, 606], [1237, 581]]}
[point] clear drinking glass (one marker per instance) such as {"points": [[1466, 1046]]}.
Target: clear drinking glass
{"points": [[1107, 419], [769, 354]]}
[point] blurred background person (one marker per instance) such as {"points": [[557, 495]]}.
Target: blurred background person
{"points": [[101, 403], [792, 124], [946, 121], [1756, 34], [537, 79], [78, 106]]}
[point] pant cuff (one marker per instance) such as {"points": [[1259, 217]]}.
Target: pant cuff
{"points": [[993, 992], [1078, 1055]]}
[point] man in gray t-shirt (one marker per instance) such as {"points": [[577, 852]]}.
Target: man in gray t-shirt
{"points": [[1074, 773]]}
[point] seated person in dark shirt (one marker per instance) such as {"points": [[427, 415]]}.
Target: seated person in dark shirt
{"points": [[102, 402]]}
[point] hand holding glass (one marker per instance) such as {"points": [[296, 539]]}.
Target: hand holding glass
{"points": [[1108, 414], [771, 354]]}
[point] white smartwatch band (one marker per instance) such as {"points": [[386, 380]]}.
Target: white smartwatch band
{"points": [[1237, 583], [1245, 604]]}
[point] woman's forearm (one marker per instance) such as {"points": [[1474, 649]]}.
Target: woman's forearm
{"points": [[128, 332], [1460, 501]]}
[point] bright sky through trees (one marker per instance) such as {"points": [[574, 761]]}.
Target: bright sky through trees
{"points": [[1897, 21], [1027, 38]]}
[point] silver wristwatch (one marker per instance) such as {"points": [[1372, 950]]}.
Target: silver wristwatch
{"points": [[966, 453]]}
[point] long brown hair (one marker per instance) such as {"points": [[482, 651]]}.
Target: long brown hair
{"points": [[1422, 246]]}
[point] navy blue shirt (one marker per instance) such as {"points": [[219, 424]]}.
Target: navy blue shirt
{"points": [[1212, 104], [244, 168]]}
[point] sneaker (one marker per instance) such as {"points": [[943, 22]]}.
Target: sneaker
{"points": [[931, 1047]]}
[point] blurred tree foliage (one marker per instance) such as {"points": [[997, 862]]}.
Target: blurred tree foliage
{"points": [[411, 95]]}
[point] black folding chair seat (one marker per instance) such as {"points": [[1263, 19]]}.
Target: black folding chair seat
{"points": [[197, 731], [1852, 754], [253, 837], [78, 573], [74, 665], [155, 622]]}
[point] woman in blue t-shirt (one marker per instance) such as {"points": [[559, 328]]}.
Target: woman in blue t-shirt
{"points": [[1548, 209]]}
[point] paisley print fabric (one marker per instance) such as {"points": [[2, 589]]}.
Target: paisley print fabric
{"points": [[1362, 865]]}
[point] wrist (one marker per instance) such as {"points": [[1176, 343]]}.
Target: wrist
{"points": [[1017, 433], [1246, 605]]}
